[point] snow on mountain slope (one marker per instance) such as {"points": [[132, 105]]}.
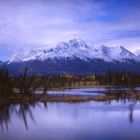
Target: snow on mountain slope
{"points": [[102, 52], [20, 56], [120, 53], [75, 48], [70, 49]]}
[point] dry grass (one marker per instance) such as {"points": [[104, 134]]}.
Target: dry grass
{"points": [[55, 98]]}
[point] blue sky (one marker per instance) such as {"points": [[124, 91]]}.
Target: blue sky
{"points": [[25, 23]]}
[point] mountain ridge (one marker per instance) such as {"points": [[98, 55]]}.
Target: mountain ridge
{"points": [[76, 48], [74, 57]]}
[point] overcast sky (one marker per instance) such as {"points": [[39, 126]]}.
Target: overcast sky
{"points": [[37, 22]]}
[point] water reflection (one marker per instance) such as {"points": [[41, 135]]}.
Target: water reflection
{"points": [[4, 116], [23, 111], [107, 120], [90, 91], [131, 110]]}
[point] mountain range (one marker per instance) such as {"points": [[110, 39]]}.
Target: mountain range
{"points": [[74, 57]]}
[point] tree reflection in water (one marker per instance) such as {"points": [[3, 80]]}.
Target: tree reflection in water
{"points": [[131, 110], [22, 110], [4, 115], [130, 95]]}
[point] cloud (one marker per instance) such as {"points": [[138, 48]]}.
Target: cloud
{"points": [[32, 21], [49, 21]]}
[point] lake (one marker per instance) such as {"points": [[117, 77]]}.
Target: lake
{"points": [[108, 120]]}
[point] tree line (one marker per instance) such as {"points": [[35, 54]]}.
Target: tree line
{"points": [[22, 85], [119, 78], [26, 85]]}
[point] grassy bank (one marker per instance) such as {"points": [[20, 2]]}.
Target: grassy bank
{"points": [[54, 98]]}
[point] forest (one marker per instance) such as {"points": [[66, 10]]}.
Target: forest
{"points": [[25, 85]]}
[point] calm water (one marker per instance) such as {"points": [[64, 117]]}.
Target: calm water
{"points": [[115, 120], [88, 91]]}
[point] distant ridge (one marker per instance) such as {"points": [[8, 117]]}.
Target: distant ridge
{"points": [[75, 48], [74, 57]]}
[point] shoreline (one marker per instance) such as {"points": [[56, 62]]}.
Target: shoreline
{"points": [[107, 96], [77, 87], [82, 87], [55, 98]]}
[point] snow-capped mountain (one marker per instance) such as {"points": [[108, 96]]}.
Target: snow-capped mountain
{"points": [[75, 48], [70, 49], [73, 57], [118, 53]]}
